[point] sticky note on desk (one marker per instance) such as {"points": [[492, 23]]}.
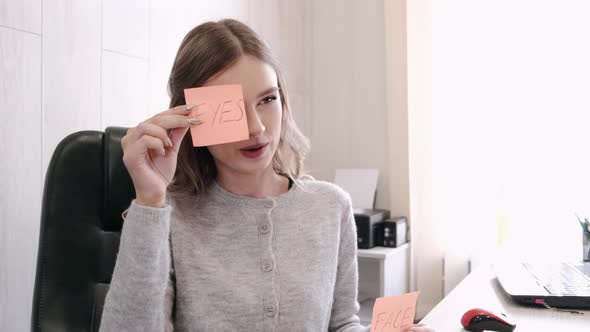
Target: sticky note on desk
{"points": [[394, 313], [222, 112]]}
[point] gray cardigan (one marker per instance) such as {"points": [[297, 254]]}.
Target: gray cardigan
{"points": [[225, 262]]}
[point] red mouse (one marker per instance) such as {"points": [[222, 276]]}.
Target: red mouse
{"points": [[477, 320]]}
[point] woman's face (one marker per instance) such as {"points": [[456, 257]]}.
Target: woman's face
{"points": [[264, 115]]}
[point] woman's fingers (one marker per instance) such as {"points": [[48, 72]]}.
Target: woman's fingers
{"points": [[146, 128], [145, 143], [161, 126], [171, 121], [166, 121], [176, 136], [180, 110]]}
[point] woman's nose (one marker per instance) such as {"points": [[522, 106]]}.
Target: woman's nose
{"points": [[255, 125]]}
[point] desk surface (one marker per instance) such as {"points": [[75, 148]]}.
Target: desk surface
{"points": [[480, 289]]}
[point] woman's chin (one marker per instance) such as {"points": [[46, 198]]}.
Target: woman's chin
{"points": [[251, 166]]}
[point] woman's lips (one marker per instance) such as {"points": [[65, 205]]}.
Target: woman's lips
{"points": [[254, 151], [254, 146]]}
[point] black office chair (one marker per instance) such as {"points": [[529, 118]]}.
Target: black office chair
{"points": [[87, 187]]}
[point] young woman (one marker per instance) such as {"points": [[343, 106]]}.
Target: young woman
{"points": [[230, 237]]}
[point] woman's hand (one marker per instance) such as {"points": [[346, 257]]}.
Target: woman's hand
{"points": [[150, 153], [419, 328]]}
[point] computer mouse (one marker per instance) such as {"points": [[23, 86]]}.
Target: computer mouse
{"points": [[478, 320]]}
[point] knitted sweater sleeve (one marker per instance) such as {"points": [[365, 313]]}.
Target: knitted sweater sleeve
{"points": [[344, 316], [141, 294]]}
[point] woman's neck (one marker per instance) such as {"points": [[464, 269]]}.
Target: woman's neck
{"points": [[257, 185]]}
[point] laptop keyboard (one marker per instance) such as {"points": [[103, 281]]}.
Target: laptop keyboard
{"points": [[561, 279]]}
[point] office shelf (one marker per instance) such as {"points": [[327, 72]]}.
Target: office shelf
{"points": [[382, 272]]}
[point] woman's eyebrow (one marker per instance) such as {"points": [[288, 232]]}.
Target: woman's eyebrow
{"points": [[267, 91]]}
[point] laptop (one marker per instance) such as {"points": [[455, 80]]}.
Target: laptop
{"points": [[557, 284]]}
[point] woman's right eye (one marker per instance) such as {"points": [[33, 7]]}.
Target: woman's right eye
{"points": [[269, 99]]}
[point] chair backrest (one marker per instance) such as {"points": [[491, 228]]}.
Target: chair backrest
{"points": [[87, 187]]}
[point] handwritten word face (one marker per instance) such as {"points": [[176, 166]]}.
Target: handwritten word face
{"points": [[394, 320], [394, 313]]}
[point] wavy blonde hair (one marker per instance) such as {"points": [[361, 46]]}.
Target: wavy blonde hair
{"points": [[207, 50]]}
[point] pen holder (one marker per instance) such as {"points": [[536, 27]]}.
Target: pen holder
{"points": [[586, 246]]}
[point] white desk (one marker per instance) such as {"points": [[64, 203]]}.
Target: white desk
{"points": [[480, 289]]}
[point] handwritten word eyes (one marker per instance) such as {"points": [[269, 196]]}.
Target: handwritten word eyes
{"points": [[217, 115]]}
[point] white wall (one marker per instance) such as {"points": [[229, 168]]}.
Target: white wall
{"points": [[426, 246], [348, 112], [20, 166], [20, 158]]}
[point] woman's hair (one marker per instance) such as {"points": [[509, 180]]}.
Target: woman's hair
{"points": [[207, 50]]}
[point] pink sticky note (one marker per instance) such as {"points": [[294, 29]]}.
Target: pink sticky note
{"points": [[394, 313], [222, 112]]}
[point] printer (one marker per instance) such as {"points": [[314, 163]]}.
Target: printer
{"points": [[368, 226]]}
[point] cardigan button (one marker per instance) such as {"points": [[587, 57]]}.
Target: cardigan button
{"points": [[264, 228], [267, 265], [270, 310]]}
